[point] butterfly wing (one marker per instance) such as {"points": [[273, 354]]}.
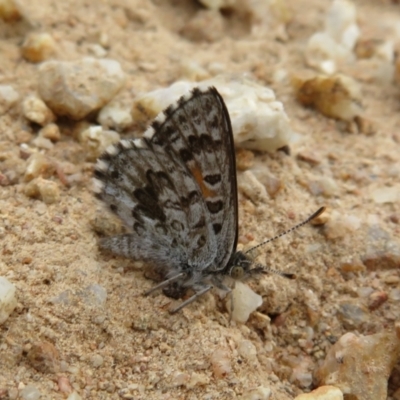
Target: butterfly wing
{"points": [[198, 131], [175, 188]]}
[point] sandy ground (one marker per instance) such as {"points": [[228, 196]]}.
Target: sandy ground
{"points": [[64, 334]]}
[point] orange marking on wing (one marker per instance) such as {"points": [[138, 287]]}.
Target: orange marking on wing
{"points": [[199, 179]]}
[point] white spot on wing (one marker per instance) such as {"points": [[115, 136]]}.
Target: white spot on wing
{"points": [[101, 165], [98, 186]]}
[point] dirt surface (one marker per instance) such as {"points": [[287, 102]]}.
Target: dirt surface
{"points": [[81, 322]]}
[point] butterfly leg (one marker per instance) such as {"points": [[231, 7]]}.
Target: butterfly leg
{"points": [[165, 283], [217, 282], [202, 291]]}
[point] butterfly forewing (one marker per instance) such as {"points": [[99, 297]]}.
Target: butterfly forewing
{"points": [[198, 131]]}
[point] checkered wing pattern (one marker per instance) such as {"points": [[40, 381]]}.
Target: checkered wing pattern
{"points": [[176, 187]]}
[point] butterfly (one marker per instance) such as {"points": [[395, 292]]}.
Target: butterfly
{"points": [[176, 191]]}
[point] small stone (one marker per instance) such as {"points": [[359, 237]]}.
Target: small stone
{"points": [[352, 266], [221, 363], [352, 314], [338, 226], [37, 164], [74, 396], [322, 393], [8, 97], [251, 107], [333, 47], [48, 191], [38, 47], [309, 157], [51, 132], [97, 360], [336, 96], [94, 295], [245, 301], [35, 110], [385, 194], [97, 50], [252, 187], [325, 186], [64, 385], [271, 183], [77, 88], [247, 350], [42, 143], [382, 259], [244, 159], [205, 26], [193, 71], [113, 116], [9, 11], [44, 357], [197, 379], [180, 379], [30, 392], [8, 301], [95, 141], [259, 393], [348, 365], [376, 299]]}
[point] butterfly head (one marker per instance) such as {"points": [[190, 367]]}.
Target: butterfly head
{"points": [[242, 267]]}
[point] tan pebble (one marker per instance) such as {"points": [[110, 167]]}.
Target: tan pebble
{"points": [[272, 184], [259, 393], [37, 164], [247, 350], [95, 141], [4, 181], [205, 26], [197, 379], [8, 98], [36, 110], [42, 143], [23, 136], [336, 96], [252, 187], [376, 299], [77, 88], [244, 159], [96, 360], [365, 125], [64, 385], [221, 363], [9, 11], [51, 131], [366, 48], [382, 260], [27, 260], [180, 379], [115, 117], [44, 189], [391, 279], [352, 265], [38, 47], [44, 357], [193, 71], [309, 157], [322, 393]]}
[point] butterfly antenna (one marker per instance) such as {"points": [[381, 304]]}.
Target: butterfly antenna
{"points": [[306, 221]]}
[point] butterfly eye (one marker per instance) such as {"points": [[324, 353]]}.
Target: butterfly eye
{"points": [[237, 272]]}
